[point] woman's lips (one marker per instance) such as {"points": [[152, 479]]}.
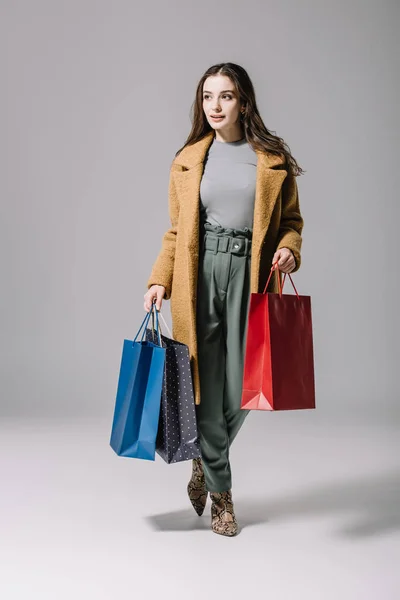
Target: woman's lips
{"points": [[217, 118]]}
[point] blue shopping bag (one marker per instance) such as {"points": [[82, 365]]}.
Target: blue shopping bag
{"points": [[137, 405]]}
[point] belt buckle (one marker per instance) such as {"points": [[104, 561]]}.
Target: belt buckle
{"points": [[236, 247]]}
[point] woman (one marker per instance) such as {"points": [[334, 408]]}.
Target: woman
{"points": [[234, 211]]}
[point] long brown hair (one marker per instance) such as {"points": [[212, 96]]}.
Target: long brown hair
{"points": [[255, 132]]}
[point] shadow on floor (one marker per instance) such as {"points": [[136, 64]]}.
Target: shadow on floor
{"points": [[180, 520], [367, 507]]}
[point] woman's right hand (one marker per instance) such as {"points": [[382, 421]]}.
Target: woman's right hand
{"points": [[157, 292]]}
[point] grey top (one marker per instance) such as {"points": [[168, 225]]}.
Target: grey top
{"points": [[227, 188]]}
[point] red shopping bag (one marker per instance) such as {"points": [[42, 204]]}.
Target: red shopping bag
{"points": [[279, 363]]}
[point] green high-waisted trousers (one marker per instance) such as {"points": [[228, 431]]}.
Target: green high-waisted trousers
{"points": [[223, 296]]}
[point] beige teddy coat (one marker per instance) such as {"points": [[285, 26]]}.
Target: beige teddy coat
{"points": [[277, 223]]}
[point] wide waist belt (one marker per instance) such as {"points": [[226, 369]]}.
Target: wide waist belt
{"points": [[234, 245]]}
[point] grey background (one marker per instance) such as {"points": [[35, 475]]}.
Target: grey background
{"points": [[95, 100]]}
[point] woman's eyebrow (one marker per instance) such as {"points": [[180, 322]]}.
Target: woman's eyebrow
{"points": [[223, 92]]}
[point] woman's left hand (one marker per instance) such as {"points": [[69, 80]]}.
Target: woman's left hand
{"points": [[285, 258]]}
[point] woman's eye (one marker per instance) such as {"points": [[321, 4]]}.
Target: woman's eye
{"points": [[224, 96]]}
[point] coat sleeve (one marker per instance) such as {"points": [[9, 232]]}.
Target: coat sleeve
{"points": [[291, 225], [163, 268]]}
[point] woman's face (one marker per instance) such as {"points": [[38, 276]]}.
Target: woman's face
{"points": [[220, 98]]}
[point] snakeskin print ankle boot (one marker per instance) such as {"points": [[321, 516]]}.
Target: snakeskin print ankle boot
{"points": [[223, 520], [197, 487]]}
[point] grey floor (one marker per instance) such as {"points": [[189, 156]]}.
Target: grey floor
{"points": [[318, 504]]}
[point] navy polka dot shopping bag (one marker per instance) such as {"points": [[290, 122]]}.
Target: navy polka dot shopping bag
{"points": [[177, 437]]}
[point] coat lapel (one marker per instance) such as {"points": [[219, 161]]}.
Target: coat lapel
{"points": [[187, 181], [188, 191]]}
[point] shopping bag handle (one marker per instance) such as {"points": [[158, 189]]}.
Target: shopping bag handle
{"points": [[280, 286], [166, 326], [164, 321], [145, 323], [157, 330]]}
